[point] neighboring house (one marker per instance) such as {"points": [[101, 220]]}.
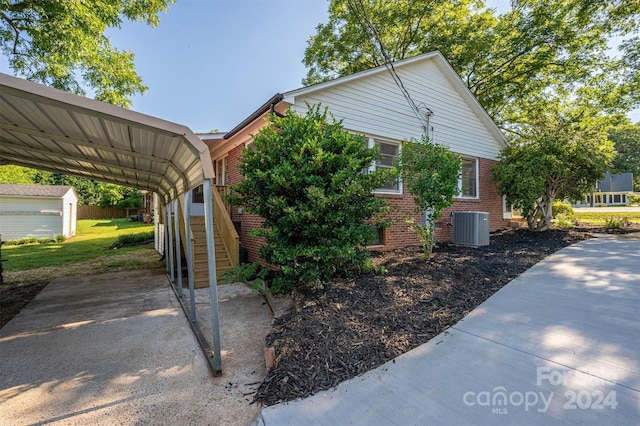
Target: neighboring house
{"points": [[40, 211], [371, 103], [613, 190]]}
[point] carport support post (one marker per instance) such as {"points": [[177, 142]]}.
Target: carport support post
{"points": [[170, 254], [165, 246], [213, 281], [176, 222], [187, 238]]}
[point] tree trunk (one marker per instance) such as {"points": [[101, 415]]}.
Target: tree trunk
{"points": [[540, 218]]}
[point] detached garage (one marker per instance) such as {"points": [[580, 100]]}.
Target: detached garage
{"points": [[37, 211]]}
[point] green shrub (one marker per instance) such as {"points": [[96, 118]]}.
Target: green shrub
{"points": [[431, 172], [559, 207], [634, 199], [613, 222], [59, 238], [132, 239], [33, 240], [304, 178], [253, 273], [563, 220]]}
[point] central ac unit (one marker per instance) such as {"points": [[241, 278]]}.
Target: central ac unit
{"points": [[470, 228]]}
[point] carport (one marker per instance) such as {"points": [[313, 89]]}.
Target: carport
{"points": [[47, 129]]}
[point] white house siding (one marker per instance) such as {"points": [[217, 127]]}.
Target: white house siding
{"points": [[22, 217], [374, 105]]}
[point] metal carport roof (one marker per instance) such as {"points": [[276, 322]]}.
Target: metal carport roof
{"points": [[49, 129]]}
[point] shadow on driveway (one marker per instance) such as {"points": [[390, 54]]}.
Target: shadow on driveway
{"points": [[117, 349]]}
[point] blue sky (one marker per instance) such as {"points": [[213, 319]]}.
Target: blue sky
{"points": [[211, 63]]}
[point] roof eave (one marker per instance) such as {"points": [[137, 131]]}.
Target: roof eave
{"points": [[267, 106]]}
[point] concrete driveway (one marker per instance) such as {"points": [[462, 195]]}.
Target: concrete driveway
{"points": [[117, 349], [558, 345]]}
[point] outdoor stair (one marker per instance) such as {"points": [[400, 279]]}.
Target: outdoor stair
{"points": [[200, 259]]}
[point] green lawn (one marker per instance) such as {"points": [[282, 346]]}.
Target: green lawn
{"points": [[92, 241], [599, 217]]}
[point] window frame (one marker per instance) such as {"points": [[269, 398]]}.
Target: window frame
{"points": [[477, 181], [225, 170], [371, 142]]}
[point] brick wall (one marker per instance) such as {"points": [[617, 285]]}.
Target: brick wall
{"points": [[247, 221], [397, 235], [490, 201]]}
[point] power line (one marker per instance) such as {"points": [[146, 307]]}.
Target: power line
{"points": [[362, 16]]}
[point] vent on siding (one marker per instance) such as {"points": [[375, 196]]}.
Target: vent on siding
{"points": [[470, 228]]}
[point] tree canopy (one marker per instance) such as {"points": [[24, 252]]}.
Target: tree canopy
{"points": [[508, 61], [560, 155], [62, 43], [90, 192]]}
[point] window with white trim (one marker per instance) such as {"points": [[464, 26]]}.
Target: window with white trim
{"points": [[222, 171], [468, 181], [389, 153]]}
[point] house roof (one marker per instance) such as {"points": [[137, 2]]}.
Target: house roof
{"points": [[267, 106], [47, 129], [48, 191], [622, 182]]}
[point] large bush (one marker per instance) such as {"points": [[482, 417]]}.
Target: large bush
{"points": [[559, 207], [304, 177]]}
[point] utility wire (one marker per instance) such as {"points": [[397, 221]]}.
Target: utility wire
{"points": [[362, 16]]}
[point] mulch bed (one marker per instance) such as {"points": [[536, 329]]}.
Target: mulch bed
{"points": [[355, 325], [14, 297]]}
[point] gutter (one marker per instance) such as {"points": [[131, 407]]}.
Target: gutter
{"points": [[267, 106]]}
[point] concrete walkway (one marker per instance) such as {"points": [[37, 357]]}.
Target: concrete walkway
{"points": [[558, 345], [116, 349]]}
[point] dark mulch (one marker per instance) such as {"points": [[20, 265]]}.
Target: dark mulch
{"points": [[354, 325], [14, 297]]}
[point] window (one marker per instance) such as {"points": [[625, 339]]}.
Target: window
{"points": [[616, 198], [222, 172], [468, 183], [389, 153], [377, 239]]}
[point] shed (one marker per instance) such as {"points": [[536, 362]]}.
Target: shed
{"points": [[38, 211]]}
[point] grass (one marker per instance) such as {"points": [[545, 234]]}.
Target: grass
{"points": [[599, 218], [87, 252]]}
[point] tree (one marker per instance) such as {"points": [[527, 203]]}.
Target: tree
{"points": [[16, 174], [90, 192], [112, 195], [430, 171], [626, 139], [304, 177], [61, 43], [536, 48], [560, 154]]}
